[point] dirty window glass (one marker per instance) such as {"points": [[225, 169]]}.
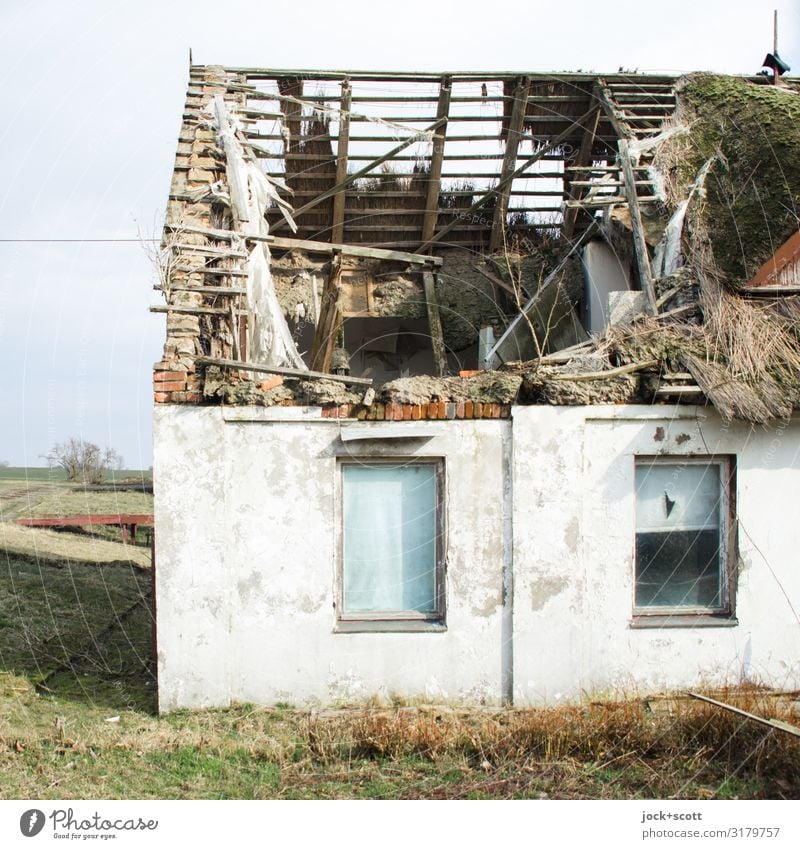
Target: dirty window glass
{"points": [[679, 535], [390, 538]]}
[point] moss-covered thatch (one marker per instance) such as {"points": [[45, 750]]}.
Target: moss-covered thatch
{"points": [[753, 189]]}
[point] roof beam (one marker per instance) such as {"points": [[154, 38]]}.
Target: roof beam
{"points": [[515, 130], [337, 230], [437, 157]]}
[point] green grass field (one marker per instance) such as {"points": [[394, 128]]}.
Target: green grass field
{"points": [[78, 710], [38, 474]]}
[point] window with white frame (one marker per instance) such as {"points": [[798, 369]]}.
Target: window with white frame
{"points": [[683, 520], [391, 552]]}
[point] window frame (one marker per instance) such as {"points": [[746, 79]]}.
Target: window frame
{"points": [[394, 621], [696, 615]]}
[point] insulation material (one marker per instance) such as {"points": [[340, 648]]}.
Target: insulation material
{"points": [[252, 194]]}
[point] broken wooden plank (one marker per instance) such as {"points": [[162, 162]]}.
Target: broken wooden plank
{"points": [[515, 130], [437, 158], [189, 310], [435, 323], [498, 282], [204, 290], [639, 241], [209, 250], [219, 272], [337, 229], [329, 319], [300, 374], [771, 723], [603, 375], [351, 250]]}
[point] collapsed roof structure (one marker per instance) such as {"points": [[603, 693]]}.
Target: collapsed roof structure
{"points": [[585, 285], [357, 239]]}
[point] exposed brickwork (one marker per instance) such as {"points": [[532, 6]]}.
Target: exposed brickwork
{"points": [[417, 412], [198, 162]]}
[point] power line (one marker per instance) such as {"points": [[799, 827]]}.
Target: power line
{"points": [[80, 240]]}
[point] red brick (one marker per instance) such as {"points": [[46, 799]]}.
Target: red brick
{"points": [[496, 411], [460, 410], [468, 373], [477, 410], [325, 413], [442, 410], [160, 376], [432, 411], [172, 386], [406, 412], [468, 407], [388, 412], [161, 397], [487, 410], [344, 411], [416, 412], [270, 383]]}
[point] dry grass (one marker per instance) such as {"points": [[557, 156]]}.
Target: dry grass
{"points": [[605, 750], [59, 546]]}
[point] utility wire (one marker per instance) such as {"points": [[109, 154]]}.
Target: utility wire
{"points": [[80, 240]]}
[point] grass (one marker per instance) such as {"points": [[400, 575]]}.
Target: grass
{"points": [[77, 720]]}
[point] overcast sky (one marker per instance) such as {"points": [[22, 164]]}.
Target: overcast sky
{"points": [[92, 94]]}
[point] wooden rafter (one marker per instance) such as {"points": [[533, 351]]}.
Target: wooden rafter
{"points": [[437, 158], [337, 230], [583, 159], [362, 172], [639, 241], [486, 196], [515, 131]]}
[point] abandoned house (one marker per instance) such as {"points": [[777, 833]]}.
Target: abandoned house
{"points": [[478, 387]]}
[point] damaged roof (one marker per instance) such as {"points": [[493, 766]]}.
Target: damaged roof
{"points": [[309, 208]]}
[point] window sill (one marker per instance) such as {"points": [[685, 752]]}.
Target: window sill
{"points": [[389, 626], [684, 620]]}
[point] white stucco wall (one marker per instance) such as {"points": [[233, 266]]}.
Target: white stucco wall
{"points": [[247, 526], [574, 554]]}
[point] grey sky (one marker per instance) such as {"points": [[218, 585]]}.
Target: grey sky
{"points": [[92, 94]]}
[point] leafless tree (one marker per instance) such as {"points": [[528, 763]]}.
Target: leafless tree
{"points": [[82, 460]]}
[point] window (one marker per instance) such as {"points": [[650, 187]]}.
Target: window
{"points": [[682, 528], [391, 558]]}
